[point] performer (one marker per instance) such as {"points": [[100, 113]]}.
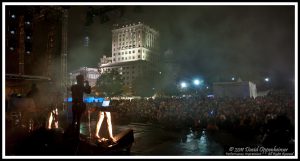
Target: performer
{"points": [[109, 124], [78, 106]]}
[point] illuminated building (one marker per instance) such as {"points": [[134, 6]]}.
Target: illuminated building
{"points": [[134, 50]]}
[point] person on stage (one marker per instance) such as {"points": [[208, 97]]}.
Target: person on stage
{"points": [[102, 114]]}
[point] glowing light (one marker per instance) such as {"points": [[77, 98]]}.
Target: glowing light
{"points": [[11, 48], [210, 96], [12, 32], [28, 37], [27, 22], [28, 52], [183, 85], [13, 16], [233, 78], [196, 82], [88, 99], [267, 79]]}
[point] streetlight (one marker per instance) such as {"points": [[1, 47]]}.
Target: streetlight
{"points": [[267, 79], [196, 82], [183, 85], [232, 78]]}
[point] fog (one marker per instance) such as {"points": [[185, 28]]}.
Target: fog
{"points": [[215, 42]]}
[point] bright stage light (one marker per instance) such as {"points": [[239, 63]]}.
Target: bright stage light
{"points": [[183, 85], [267, 79], [196, 82]]}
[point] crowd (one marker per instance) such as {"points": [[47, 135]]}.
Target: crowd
{"points": [[261, 116]]}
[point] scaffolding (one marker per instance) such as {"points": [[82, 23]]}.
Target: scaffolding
{"points": [[64, 53]]}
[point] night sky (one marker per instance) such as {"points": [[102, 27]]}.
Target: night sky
{"points": [[213, 42]]}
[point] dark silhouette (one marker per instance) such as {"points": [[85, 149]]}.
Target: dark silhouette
{"points": [[33, 91], [78, 106]]}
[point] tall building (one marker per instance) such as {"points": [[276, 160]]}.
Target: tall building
{"points": [[134, 50]]}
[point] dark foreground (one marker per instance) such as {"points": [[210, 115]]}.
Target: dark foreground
{"points": [[134, 139]]}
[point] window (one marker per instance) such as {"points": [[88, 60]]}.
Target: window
{"points": [[139, 56], [139, 51], [133, 57], [133, 51], [129, 52], [118, 53]]}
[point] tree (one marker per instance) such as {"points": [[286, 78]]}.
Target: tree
{"points": [[144, 84], [126, 90], [110, 84]]}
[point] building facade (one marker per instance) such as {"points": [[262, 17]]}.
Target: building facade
{"points": [[239, 89], [134, 50]]}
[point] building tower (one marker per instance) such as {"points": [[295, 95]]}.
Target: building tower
{"points": [[134, 50]]}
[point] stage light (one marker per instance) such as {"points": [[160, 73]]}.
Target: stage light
{"points": [[183, 85], [196, 82], [267, 79]]}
